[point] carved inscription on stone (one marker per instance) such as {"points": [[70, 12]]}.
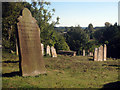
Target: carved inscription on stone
{"points": [[30, 46]]}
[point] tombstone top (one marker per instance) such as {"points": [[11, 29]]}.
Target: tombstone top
{"points": [[27, 16]]}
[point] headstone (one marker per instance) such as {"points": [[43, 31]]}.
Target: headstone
{"points": [[105, 52], [31, 60], [42, 47], [74, 53], [96, 54], [100, 53], [83, 52], [48, 50], [53, 51], [91, 54]]}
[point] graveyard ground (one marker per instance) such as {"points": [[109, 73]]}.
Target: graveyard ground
{"points": [[62, 72]]}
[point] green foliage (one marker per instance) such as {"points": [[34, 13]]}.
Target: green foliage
{"points": [[61, 44], [77, 39], [11, 11], [111, 36], [41, 12]]}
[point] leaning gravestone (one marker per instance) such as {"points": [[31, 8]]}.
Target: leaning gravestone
{"points": [[53, 51], [31, 61]]}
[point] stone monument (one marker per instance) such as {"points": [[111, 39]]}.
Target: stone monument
{"points": [[99, 54], [48, 50], [53, 52], [95, 54], [31, 60], [42, 47], [105, 52], [83, 52]]}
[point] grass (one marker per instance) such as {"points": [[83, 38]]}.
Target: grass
{"points": [[62, 72]]}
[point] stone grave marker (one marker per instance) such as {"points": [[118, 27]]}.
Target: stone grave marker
{"points": [[83, 52], [95, 54], [31, 60], [53, 51], [105, 52], [42, 47], [48, 50], [101, 52]]}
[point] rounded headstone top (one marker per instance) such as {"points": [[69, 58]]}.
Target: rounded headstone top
{"points": [[26, 12]]}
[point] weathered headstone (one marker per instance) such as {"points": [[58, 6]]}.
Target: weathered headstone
{"points": [[53, 51], [90, 54], [31, 58], [105, 52], [83, 52], [42, 47], [96, 54], [100, 53], [48, 50], [74, 53]]}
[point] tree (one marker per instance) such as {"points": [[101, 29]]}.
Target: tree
{"points": [[39, 10], [11, 11], [110, 35], [77, 39], [107, 24]]}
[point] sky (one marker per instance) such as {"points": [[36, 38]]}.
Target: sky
{"points": [[84, 13], [119, 13]]}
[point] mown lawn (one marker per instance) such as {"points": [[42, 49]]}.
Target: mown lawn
{"points": [[62, 72]]}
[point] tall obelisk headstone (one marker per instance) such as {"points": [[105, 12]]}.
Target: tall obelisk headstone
{"points": [[32, 62], [105, 52]]}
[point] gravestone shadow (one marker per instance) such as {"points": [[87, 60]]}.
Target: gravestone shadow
{"points": [[10, 61], [91, 59], [12, 74], [111, 85], [114, 65]]}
